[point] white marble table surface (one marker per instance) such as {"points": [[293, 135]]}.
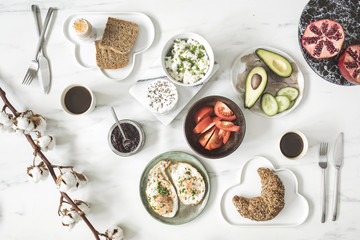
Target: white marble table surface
{"points": [[29, 211]]}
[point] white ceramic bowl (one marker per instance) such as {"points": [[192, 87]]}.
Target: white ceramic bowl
{"points": [[169, 44]]}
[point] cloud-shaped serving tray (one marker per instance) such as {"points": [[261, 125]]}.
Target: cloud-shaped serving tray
{"points": [[85, 53], [296, 208]]}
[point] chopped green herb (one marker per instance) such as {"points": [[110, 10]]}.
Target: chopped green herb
{"points": [[193, 192], [193, 49], [200, 55], [162, 190], [188, 172]]}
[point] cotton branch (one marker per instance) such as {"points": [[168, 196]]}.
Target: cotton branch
{"points": [[50, 167]]}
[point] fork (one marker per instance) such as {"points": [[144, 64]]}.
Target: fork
{"points": [[323, 164], [34, 64]]}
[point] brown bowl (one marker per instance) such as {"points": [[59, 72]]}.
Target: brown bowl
{"points": [[235, 138]]}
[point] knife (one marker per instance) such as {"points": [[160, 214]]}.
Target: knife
{"points": [[44, 66], [338, 160]]}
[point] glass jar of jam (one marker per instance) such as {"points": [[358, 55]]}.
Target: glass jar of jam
{"points": [[133, 132]]}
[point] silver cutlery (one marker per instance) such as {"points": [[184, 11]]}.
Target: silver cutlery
{"points": [[34, 64], [44, 67], [125, 140], [323, 164], [338, 160]]}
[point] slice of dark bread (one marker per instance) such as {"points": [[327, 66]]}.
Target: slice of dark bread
{"points": [[119, 35], [108, 59]]}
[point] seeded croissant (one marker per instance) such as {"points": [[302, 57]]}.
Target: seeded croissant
{"points": [[269, 204]]}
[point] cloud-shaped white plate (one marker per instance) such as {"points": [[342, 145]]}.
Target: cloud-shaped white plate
{"points": [[296, 208]]}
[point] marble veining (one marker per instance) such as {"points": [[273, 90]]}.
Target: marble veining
{"points": [[29, 211]]}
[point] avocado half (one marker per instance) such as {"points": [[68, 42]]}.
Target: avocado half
{"points": [[277, 63], [255, 85]]}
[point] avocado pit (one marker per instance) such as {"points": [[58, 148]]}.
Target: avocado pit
{"points": [[256, 81]]}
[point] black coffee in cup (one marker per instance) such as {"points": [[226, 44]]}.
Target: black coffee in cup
{"points": [[291, 145], [77, 100]]}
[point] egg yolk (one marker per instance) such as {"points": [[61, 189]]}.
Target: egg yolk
{"points": [[163, 203]]}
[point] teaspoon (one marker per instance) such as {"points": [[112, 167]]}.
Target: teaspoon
{"points": [[125, 141]]}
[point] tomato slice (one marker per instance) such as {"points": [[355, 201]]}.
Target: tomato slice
{"points": [[224, 112], [215, 141], [214, 120], [227, 126], [203, 113], [225, 135], [203, 125], [204, 138]]}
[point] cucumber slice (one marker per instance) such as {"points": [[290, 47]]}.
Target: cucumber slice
{"points": [[291, 104], [283, 103], [269, 104], [290, 92]]}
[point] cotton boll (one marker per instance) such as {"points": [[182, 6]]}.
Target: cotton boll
{"points": [[39, 121], [82, 180], [5, 119], [34, 173], [115, 233], [68, 221], [51, 144], [25, 124], [44, 173], [74, 215], [66, 181], [46, 143], [39, 172], [81, 183]]}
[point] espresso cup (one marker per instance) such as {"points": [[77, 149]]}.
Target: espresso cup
{"points": [[293, 145], [77, 100]]}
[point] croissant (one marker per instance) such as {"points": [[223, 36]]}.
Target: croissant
{"points": [[269, 204]]}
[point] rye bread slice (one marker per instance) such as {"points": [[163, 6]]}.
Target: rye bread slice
{"points": [[108, 59], [119, 35]]}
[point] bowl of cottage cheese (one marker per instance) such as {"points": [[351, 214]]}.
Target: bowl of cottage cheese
{"points": [[187, 59]]}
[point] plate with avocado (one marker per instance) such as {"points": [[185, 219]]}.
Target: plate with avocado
{"points": [[267, 81]]}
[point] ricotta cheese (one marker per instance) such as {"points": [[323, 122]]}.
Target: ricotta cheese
{"points": [[188, 61]]}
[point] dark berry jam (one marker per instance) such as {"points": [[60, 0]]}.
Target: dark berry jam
{"points": [[131, 132]]}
